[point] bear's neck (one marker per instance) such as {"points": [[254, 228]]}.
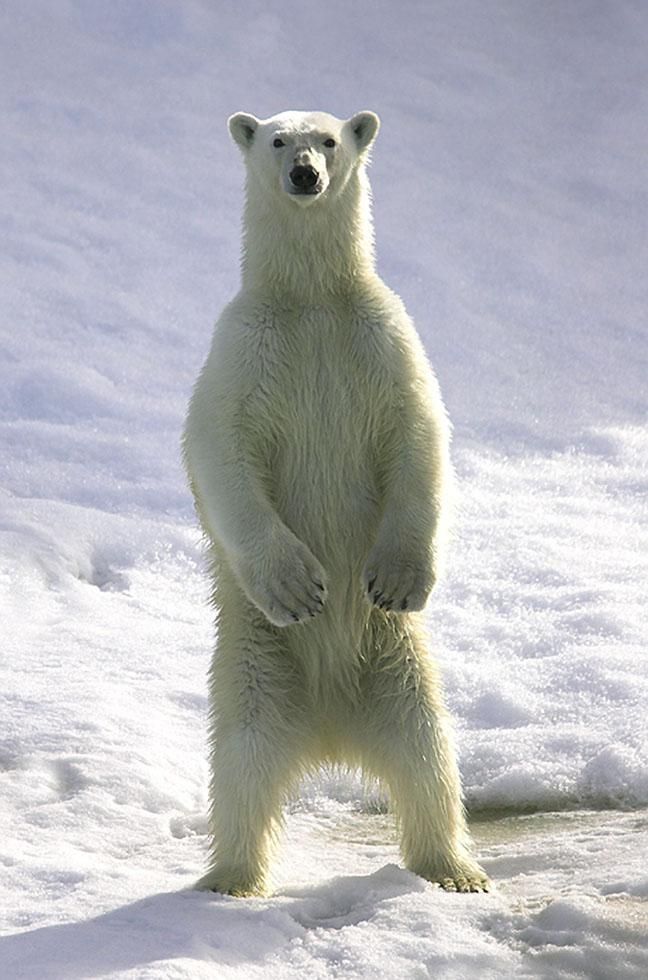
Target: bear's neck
{"points": [[312, 253]]}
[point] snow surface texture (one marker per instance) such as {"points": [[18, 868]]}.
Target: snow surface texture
{"points": [[510, 191]]}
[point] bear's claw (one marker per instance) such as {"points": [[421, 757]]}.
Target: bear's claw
{"points": [[397, 583], [287, 586], [465, 885], [466, 877]]}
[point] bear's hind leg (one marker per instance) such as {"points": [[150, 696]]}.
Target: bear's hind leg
{"points": [[410, 750], [257, 744]]}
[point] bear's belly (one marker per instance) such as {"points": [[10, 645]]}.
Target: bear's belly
{"points": [[325, 488], [326, 493], [331, 508], [325, 445]]}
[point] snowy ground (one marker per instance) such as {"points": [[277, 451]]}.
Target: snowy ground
{"points": [[510, 206]]}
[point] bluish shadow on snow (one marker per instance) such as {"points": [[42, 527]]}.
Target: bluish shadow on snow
{"points": [[197, 925], [167, 926]]}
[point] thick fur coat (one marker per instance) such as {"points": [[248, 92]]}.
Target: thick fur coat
{"points": [[316, 446]]}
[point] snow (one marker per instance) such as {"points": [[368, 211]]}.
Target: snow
{"points": [[510, 202]]}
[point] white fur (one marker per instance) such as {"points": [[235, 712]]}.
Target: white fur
{"points": [[317, 450]]}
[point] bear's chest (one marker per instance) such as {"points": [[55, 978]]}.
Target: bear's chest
{"points": [[325, 379]]}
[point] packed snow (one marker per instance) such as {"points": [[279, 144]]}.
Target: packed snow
{"points": [[510, 203]]}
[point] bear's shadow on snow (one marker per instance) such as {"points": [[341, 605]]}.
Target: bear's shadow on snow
{"points": [[190, 924]]}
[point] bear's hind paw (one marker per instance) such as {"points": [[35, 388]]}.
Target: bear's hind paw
{"points": [[226, 883], [465, 883], [461, 877]]}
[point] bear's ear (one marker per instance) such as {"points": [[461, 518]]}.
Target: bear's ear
{"points": [[364, 126], [242, 127]]}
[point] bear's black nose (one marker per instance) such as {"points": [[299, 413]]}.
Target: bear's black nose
{"points": [[304, 177]]}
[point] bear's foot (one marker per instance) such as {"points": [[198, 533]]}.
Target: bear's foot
{"points": [[227, 882], [473, 882], [462, 876]]}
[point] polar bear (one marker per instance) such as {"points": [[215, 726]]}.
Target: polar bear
{"points": [[316, 446]]}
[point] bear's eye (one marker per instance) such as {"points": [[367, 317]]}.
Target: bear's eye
{"points": [[329, 142], [277, 142]]}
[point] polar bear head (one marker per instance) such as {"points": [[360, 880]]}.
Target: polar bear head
{"points": [[304, 156]]}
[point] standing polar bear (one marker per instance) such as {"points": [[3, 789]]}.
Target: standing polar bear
{"points": [[316, 446]]}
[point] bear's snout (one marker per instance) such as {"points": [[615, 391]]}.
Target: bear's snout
{"points": [[304, 179]]}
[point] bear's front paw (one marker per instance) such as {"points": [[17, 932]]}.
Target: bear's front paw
{"points": [[397, 583], [288, 586]]}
